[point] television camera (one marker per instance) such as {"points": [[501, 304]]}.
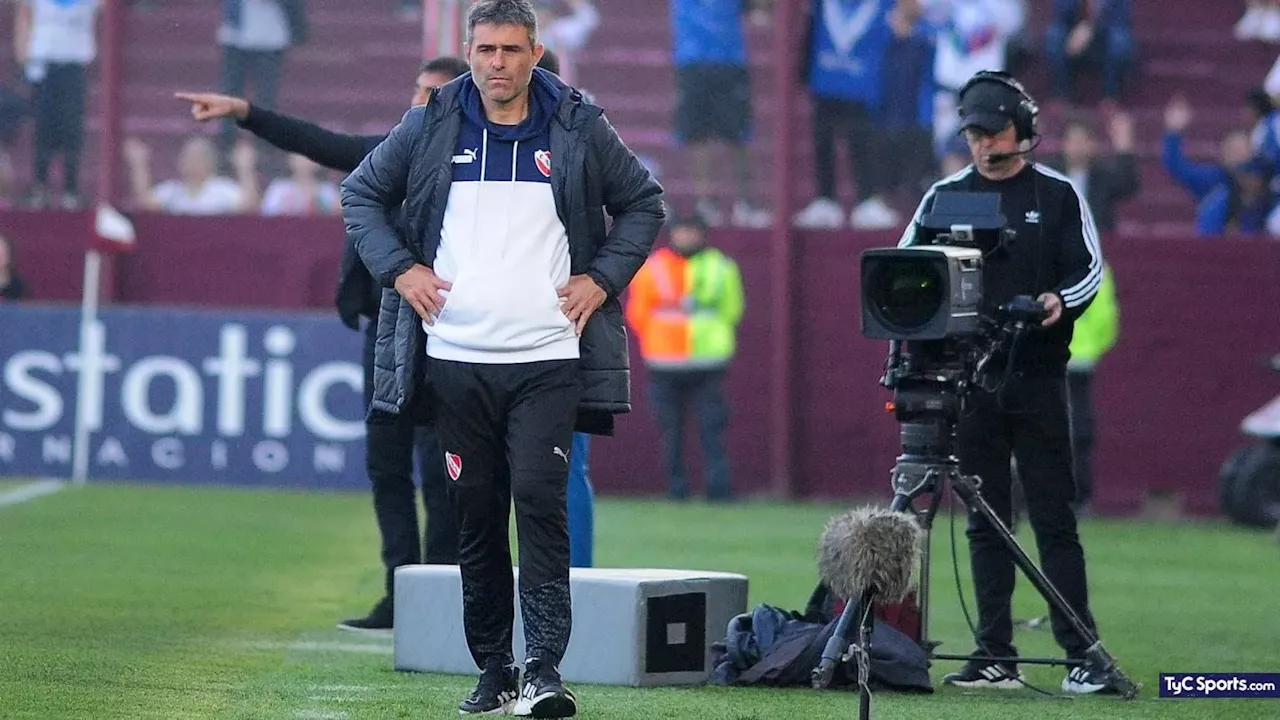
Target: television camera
{"points": [[929, 298], [927, 301]]}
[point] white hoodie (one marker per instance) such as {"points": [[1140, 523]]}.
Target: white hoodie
{"points": [[506, 252]]}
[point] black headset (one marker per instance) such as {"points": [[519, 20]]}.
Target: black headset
{"points": [[1024, 116]]}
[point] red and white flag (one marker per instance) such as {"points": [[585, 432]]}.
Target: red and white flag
{"points": [[112, 231]]}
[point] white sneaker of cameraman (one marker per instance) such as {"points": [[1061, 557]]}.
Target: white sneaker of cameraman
{"points": [[1083, 681], [820, 214], [873, 214]]}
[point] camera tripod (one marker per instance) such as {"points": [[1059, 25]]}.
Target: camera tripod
{"points": [[928, 471]]}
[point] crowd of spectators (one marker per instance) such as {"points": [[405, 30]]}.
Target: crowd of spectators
{"points": [[881, 78]]}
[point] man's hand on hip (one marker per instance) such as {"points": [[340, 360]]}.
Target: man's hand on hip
{"points": [[582, 298], [421, 287], [1053, 304], [211, 106]]}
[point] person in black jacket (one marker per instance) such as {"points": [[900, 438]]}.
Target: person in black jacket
{"points": [[1105, 181], [1055, 257], [389, 447], [483, 217]]}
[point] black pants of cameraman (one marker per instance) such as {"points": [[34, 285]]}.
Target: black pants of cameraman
{"points": [[390, 450], [1028, 420]]}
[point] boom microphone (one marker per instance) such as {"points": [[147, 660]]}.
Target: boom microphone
{"points": [[1001, 157], [994, 158], [870, 549]]}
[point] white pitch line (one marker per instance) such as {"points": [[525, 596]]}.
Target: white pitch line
{"points": [[30, 491], [367, 648], [343, 688], [320, 715]]}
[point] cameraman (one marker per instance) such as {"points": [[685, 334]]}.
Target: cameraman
{"points": [[1052, 255]]}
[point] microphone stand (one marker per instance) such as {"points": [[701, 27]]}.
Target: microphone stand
{"points": [[836, 651], [862, 653]]}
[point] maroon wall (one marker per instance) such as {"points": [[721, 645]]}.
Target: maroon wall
{"points": [[1195, 316], [230, 261]]}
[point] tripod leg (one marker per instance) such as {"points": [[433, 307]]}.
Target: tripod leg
{"points": [[967, 489], [966, 486], [900, 503], [923, 594], [823, 673]]}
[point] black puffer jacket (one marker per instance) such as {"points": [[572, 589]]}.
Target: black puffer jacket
{"points": [[593, 173]]}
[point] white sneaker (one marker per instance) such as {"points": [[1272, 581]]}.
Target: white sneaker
{"points": [[979, 674], [746, 215], [820, 214], [1082, 681], [873, 214], [1248, 27], [1269, 26], [544, 695]]}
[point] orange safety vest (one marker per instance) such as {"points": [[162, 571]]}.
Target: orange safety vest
{"points": [[685, 311]]}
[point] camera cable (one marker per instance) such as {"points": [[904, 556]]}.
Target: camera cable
{"points": [[964, 607]]}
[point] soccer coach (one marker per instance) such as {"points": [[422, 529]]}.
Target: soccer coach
{"points": [[505, 322], [1055, 257]]}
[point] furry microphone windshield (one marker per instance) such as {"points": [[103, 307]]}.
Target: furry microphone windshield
{"points": [[870, 548]]}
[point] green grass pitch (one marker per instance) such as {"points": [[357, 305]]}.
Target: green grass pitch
{"points": [[124, 601]]}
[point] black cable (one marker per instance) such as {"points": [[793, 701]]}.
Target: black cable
{"points": [[1008, 368]]}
